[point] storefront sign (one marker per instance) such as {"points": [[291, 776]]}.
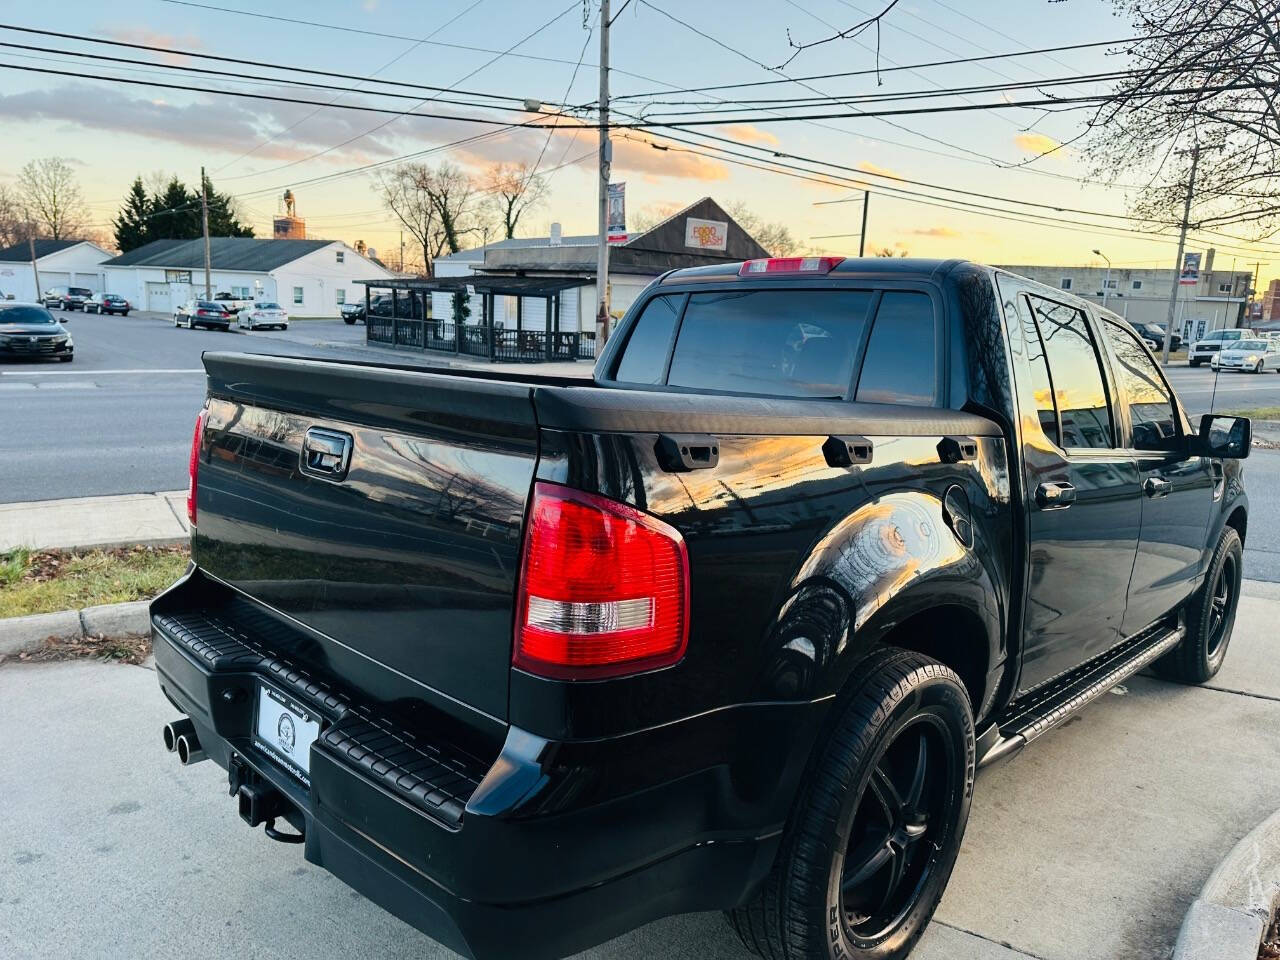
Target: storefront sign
{"points": [[706, 234]]}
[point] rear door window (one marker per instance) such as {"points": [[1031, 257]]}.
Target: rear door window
{"points": [[644, 360], [900, 365], [1076, 369], [786, 343]]}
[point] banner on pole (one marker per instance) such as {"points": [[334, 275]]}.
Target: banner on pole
{"points": [[618, 212], [1190, 270]]}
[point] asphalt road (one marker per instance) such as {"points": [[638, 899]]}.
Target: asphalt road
{"points": [[118, 419]]}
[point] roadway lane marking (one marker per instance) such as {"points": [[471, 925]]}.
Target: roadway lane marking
{"points": [[93, 373]]}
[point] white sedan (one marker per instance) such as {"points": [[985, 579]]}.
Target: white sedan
{"points": [[261, 315], [1252, 355]]}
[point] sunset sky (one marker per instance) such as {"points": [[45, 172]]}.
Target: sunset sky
{"points": [[255, 149]]}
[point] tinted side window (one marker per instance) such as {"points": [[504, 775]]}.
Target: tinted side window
{"points": [[1041, 384], [644, 359], [1080, 391], [783, 343], [899, 366], [1150, 406]]}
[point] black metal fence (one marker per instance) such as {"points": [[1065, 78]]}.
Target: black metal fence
{"points": [[410, 326]]}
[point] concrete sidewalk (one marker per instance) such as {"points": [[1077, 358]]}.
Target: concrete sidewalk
{"points": [[151, 518]]}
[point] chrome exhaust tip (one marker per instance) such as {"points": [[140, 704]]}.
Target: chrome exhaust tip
{"points": [[189, 751], [178, 728]]}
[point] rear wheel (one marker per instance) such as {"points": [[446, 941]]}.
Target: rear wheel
{"points": [[876, 828], [1210, 615]]}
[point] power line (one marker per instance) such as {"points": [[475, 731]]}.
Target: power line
{"points": [[222, 58], [400, 56], [392, 119], [879, 70]]}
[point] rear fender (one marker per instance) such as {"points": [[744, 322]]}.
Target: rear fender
{"points": [[889, 560]]}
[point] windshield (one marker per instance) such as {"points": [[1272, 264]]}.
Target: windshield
{"points": [[25, 315], [1227, 335], [268, 306], [207, 305], [1250, 345], [81, 292]]}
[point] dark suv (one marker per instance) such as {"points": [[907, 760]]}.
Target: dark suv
{"points": [[67, 298]]}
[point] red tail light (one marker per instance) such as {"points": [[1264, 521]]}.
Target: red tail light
{"points": [[604, 588], [814, 265], [193, 467]]}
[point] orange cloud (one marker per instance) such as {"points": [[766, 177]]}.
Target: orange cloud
{"points": [[936, 232], [154, 38], [751, 134], [1036, 143], [874, 168]]}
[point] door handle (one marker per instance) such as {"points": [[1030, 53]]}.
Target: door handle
{"points": [[1156, 487], [326, 454], [1055, 495]]}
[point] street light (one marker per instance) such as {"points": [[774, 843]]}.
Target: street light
{"points": [[1106, 283]]}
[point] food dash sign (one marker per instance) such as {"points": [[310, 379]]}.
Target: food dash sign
{"points": [[705, 234]]}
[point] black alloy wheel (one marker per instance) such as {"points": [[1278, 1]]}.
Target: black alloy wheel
{"points": [[1222, 605], [1209, 617], [891, 851], [877, 822]]}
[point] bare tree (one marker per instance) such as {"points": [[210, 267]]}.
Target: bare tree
{"points": [[454, 194], [434, 205], [14, 225], [774, 236], [889, 252], [513, 189], [1205, 74], [646, 218], [52, 199]]}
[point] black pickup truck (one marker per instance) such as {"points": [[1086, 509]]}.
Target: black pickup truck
{"points": [[531, 661]]}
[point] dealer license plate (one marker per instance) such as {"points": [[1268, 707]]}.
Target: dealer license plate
{"points": [[285, 731]]}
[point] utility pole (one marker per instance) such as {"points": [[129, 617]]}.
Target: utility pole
{"points": [[31, 242], [1177, 266], [1257, 294], [862, 237], [204, 224], [605, 160]]}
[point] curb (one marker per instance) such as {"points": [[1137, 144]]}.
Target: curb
{"points": [[1230, 917], [24, 634]]}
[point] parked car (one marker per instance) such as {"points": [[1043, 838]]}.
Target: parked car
{"points": [[263, 314], [1153, 334], [233, 303], [29, 331], [351, 312], [202, 313], [66, 298], [1255, 356], [107, 303], [1203, 349], [531, 662]]}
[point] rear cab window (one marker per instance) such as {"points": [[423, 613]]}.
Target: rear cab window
{"points": [[872, 345]]}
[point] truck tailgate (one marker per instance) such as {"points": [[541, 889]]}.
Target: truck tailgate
{"points": [[409, 556]]}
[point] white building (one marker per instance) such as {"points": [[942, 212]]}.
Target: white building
{"points": [[309, 278], [61, 263], [1217, 298]]}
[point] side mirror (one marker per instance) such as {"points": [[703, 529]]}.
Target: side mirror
{"points": [[1227, 438]]}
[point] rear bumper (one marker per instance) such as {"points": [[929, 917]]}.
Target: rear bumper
{"points": [[496, 856]]}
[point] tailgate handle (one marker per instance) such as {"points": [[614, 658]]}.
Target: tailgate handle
{"points": [[682, 452], [326, 454]]}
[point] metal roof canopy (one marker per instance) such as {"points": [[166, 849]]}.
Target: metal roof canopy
{"points": [[486, 284]]}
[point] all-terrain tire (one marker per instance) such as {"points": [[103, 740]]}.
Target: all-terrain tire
{"points": [[800, 912], [1211, 615]]}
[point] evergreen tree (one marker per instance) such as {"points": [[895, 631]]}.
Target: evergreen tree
{"points": [[131, 224], [223, 221], [174, 214]]}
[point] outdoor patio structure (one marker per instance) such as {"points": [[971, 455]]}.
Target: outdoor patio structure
{"points": [[538, 333]]}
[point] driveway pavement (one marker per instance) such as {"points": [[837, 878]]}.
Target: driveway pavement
{"points": [[1087, 846]]}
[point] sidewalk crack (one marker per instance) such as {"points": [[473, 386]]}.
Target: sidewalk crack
{"points": [[169, 503], [1000, 943]]}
